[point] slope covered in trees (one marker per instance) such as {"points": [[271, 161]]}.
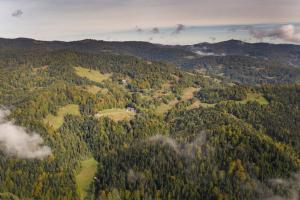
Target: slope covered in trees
{"points": [[232, 148], [249, 63]]}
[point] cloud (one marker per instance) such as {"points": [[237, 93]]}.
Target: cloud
{"points": [[286, 33], [139, 30], [291, 188], [208, 53], [187, 150], [17, 13], [179, 28], [213, 39], [133, 176], [16, 141], [164, 141], [155, 30], [234, 29]]}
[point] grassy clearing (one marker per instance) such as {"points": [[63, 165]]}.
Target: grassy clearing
{"points": [[191, 74], [160, 93], [194, 105], [55, 121], [207, 105], [188, 93], [92, 75], [250, 98], [164, 91], [117, 114], [43, 68], [163, 108], [85, 177], [198, 104], [166, 86], [255, 97], [93, 89], [177, 78]]}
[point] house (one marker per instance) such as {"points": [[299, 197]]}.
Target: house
{"points": [[124, 82], [130, 109]]}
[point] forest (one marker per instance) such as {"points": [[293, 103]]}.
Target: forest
{"points": [[144, 129]]}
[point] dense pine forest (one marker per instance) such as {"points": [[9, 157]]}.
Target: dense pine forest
{"points": [[111, 125]]}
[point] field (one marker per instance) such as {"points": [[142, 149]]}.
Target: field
{"points": [[250, 98], [188, 93], [255, 97], [92, 75], [163, 108], [55, 121], [36, 69], [85, 177], [198, 104], [94, 89], [164, 91], [117, 114]]}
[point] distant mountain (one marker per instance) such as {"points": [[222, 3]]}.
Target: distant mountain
{"points": [[139, 49], [250, 63], [284, 53]]}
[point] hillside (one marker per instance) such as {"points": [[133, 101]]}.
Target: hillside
{"points": [[248, 63], [124, 127], [283, 53]]}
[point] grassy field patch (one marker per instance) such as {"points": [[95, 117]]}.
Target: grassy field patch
{"points": [[255, 97], [177, 78], [55, 121], [164, 91], [43, 68], [117, 114], [85, 177], [194, 105], [92, 75], [93, 89], [160, 93], [198, 104], [166, 86], [163, 108], [191, 74], [188, 93]]}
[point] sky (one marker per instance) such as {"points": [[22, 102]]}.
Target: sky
{"points": [[158, 21]]}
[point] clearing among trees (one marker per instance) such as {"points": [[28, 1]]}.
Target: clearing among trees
{"points": [[91, 74], [85, 177], [55, 121], [117, 114]]}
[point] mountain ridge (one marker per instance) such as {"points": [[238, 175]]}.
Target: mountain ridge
{"points": [[249, 63]]}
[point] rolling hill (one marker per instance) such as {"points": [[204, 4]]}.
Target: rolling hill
{"points": [[110, 120], [248, 63]]}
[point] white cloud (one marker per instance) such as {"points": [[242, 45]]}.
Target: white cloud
{"points": [[188, 150], [16, 141], [287, 33], [291, 187]]}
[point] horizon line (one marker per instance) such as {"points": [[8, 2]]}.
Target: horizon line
{"points": [[141, 41]]}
